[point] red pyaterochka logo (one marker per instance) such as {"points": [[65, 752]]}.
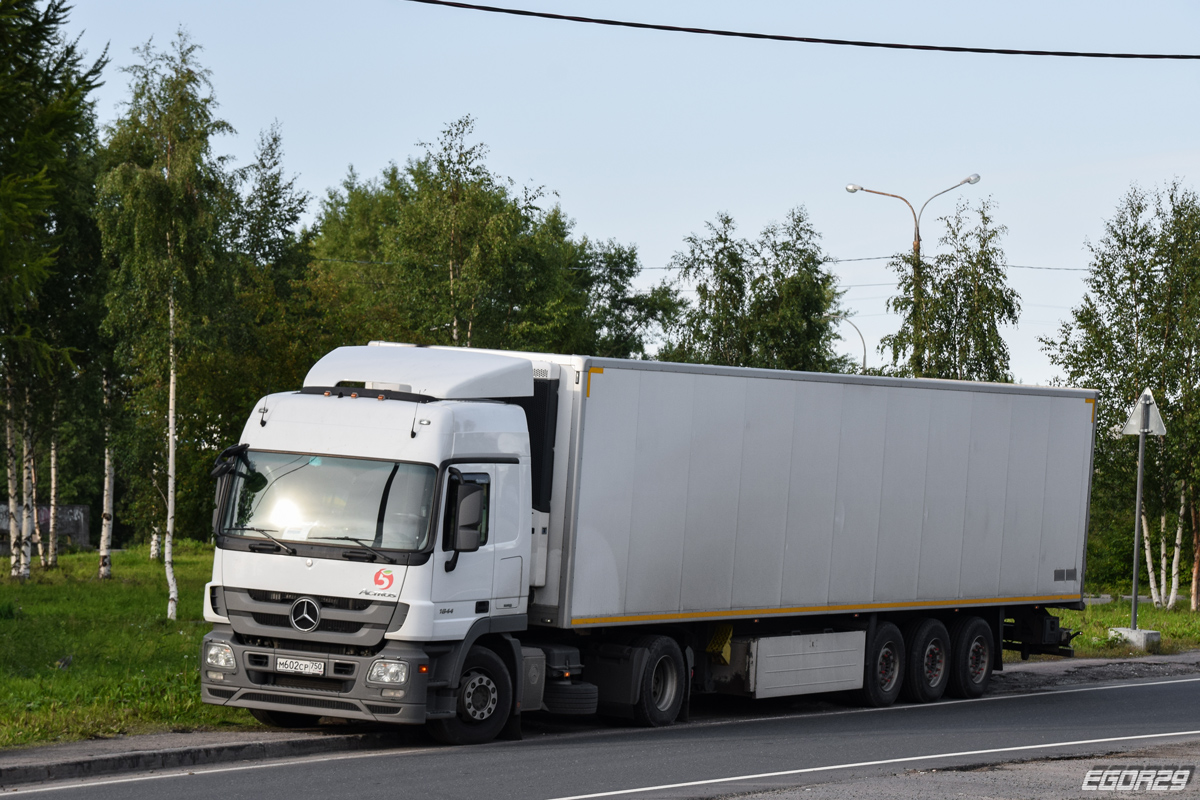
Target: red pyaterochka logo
{"points": [[384, 578]]}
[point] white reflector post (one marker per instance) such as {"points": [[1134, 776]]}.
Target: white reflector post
{"points": [[1143, 420]]}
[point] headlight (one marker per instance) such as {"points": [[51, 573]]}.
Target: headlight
{"points": [[388, 672], [219, 655]]}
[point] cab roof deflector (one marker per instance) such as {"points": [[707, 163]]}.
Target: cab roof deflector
{"points": [[449, 374]]}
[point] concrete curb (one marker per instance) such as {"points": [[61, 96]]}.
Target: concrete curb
{"points": [[194, 756]]}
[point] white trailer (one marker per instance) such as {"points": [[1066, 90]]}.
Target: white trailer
{"points": [[456, 536]]}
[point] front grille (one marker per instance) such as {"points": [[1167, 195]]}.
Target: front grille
{"points": [[325, 626], [309, 683], [224, 694], [343, 603], [339, 626], [306, 646], [309, 702], [374, 709]]}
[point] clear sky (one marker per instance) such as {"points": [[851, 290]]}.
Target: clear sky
{"points": [[646, 135]]}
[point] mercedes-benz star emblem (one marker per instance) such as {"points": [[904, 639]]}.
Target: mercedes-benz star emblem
{"points": [[305, 615]]}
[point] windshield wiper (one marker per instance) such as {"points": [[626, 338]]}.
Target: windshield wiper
{"points": [[289, 550], [360, 543]]}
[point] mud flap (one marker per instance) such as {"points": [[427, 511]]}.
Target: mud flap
{"points": [[685, 710]]}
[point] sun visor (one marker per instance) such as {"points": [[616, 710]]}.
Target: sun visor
{"points": [[445, 373]]}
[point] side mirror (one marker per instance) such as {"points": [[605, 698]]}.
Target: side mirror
{"points": [[468, 517], [227, 461]]}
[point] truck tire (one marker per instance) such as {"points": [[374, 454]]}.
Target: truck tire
{"points": [[564, 697], [883, 668], [928, 669], [971, 658], [664, 682], [284, 719], [485, 699]]}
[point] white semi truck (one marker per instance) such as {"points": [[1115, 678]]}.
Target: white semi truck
{"points": [[450, 537]]}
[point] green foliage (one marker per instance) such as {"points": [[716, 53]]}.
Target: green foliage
{"points": [[763, 303], [1137, 327], [84, 658], [444, 251], [952, 309], [50, 280], [44, 113]]}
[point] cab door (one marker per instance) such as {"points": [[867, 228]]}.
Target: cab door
{"points": [[462, 581]]}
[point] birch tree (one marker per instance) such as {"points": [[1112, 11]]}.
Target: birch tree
{"points": [[15, 519], [768, 302], [1139, 327], [161, 196], [966, 300]]}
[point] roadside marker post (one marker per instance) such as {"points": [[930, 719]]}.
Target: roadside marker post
{"points": [[1144, 419]]}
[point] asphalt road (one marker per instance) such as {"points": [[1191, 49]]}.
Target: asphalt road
{"points": [[719, 755]]}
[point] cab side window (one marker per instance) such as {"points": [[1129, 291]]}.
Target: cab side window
{"points": [[450, 524]]}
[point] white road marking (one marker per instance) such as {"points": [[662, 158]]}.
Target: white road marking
{"points": [[202, 770], [831, 767]]}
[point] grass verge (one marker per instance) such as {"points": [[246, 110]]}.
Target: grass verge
{"points": [[83, 658], [1179, 627]]}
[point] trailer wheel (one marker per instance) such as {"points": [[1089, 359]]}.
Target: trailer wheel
{"points": [[663, 682], [971, 661], [284, 719], [929, 657], [484, 701], [883, 671]]}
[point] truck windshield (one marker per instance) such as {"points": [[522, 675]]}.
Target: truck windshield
{"points": [[322, 499]]}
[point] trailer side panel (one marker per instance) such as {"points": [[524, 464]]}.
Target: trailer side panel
{"points": [[708, 494]]}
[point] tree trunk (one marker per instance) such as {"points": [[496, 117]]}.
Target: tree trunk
{"points": [[106, 516], [38, 539], [26, 492], [1154, 596], [1162, 556], [168, 562], [155, 544], [10, 440], [53, 543], [1178, 547], [1195, 549]]}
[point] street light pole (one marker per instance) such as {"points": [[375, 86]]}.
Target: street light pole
{"points": [[844, 318], [918, 278]]}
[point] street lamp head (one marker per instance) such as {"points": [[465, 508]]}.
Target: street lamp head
{"points": [[854, 187], [973, 178]]}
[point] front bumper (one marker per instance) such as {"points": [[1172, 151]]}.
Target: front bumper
{"points": [[343, 691]]}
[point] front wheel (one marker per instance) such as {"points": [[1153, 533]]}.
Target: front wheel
{"points": [[484, 701]]}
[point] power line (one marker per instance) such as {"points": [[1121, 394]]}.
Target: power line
{"points": [[517, 12], [588, 269]]}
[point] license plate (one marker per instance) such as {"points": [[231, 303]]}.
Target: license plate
{"points": [[300, 665]]}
